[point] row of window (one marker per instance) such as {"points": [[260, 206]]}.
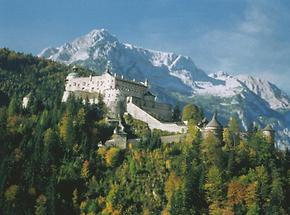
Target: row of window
{"points": [[111, 87], [98, 83], [78, 85], [129, 89]]}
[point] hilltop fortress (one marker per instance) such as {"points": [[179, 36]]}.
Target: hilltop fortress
{"points": [[123, 96]]}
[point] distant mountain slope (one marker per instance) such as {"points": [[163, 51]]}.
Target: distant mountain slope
{"points": [[23, 74], [175, 77]]}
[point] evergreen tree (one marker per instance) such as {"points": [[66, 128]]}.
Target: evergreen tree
{"points": [[13, 107], [50, 161], [176, 116], [177, 204], [234, 130], [66, 129], [212, 151], [214, 189]]}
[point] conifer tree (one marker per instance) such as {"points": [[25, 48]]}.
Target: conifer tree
{"points": [[176, 116], [13, 107], [234, 130], [214, 189], [212, 151], [66, 129]]}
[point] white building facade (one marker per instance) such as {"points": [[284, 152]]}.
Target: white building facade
{"points": [[117, 92]]}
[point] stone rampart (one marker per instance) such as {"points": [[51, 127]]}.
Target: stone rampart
{"points": [[152, 122], [173, 138]]}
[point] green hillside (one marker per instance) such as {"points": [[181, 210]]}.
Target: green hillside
{"points": [[50, 162]]}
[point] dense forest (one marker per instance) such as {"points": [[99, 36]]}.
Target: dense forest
{"points": [[50, 162]]}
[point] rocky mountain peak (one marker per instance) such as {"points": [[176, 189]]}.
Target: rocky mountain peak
{"points": [[175, 77]]}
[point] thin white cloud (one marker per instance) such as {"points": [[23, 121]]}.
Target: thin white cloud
{"points": [[256, 44], [255, 20]]}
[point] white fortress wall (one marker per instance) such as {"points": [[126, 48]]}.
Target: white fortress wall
{"points": [[91, 84], [153, 123], [115, 90], [65, 96]]}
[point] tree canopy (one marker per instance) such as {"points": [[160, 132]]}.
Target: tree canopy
{"points": [[51, 162]]}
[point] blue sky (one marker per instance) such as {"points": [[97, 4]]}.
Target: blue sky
{"points": [[237, 36]]}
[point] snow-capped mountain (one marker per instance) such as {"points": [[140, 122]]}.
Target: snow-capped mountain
{"points": [[233, 85], [99, 49], [176, 77]]}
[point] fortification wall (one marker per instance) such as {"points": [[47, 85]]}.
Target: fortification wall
{"points": [[173, 138], [91, 84], [152, 122], [92, 97], [108, 85], [130, 88], [160, 111], [163, 115]]}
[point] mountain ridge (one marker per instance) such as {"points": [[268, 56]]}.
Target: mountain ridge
{"points": [[176, 78]]}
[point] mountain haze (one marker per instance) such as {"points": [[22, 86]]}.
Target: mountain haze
{"points": [[175, 77]]}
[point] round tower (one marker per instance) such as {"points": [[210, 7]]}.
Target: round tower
{"points": [[71, 75], [74, 68], [214, 127], [269, 133]]}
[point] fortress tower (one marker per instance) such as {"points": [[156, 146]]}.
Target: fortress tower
{"points": [[214, 127], [269, 133]]}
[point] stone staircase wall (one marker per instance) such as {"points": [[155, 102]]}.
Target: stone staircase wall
{"points": [[153, 123]]}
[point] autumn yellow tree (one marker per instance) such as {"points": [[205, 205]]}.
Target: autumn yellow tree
{"points": [[193, 134], [10, 193], [66, 128], [192, 114], [172, 184], [112, 156], [212, 151], [85, 172], [214, 189], [40, 208]]}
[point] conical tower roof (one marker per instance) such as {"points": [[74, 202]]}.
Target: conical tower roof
{"points": [[268, 128], [214, 123]]}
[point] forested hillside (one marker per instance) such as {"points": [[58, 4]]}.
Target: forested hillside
{"points": [[50, 162]]}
